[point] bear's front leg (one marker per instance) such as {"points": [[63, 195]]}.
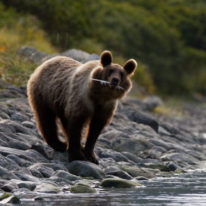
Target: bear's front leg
{"points": [[73, 129], [98, 122]]}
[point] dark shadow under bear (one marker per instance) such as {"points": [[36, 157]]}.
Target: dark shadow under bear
{"points": [[81, 96]]}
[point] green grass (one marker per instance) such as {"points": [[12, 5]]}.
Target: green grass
{"points": [[14, 33]]}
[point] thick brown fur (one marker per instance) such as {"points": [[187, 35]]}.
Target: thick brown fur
{"points": [[62, 88]]}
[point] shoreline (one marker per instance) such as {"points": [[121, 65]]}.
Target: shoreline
{"points": [[139, 144]]}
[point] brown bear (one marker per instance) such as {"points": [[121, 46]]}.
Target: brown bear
{"points": [[81, 96]]}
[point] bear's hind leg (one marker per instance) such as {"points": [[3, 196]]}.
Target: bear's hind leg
{"points": [[46, 122]]}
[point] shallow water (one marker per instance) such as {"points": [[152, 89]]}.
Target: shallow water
{"points": [[184, 189]]}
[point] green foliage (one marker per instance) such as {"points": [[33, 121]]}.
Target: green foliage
{"points": [[144, 79], [15, 31], [168, 37]]}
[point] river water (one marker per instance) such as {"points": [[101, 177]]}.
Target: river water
{"points": [[184, 189]]}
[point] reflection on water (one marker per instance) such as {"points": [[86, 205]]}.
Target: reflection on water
{"points": [[187, 189]]}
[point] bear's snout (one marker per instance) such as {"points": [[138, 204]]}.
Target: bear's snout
{"points": [[115, 81]]}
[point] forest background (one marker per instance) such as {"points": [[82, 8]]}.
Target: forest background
{"points": [[166, 37]]}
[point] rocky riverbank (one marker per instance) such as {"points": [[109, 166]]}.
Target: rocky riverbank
{"points": [[138, 145]]}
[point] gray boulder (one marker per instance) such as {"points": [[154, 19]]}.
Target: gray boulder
{"points": [[31, 54], [85, 169], [76, 54]]}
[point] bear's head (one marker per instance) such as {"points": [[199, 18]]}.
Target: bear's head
{"points": [[113, 77]]}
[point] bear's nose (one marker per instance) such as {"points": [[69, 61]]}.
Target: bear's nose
{"points": [[115, 81]]}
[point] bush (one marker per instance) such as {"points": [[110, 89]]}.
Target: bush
{"points": [[169, 37], [15, 31]]}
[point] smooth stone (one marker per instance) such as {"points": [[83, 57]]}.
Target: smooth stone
{"points": [[159, 166], [118, 183], [31, 54], [115, 171], [179, 157], [120, 174], [47, 188], [6, 174], [13, 127], [25, 184], [19, 161], [169, 167], [103, 143], [142, 118], [135, 171], [43, 149], [170, 128], [60, 181], [9, 187], [10, 93], [135, 145], [55, 166], [19, 144], [158, 142], [30, 139], [80, 188], [141, 178], [8, 163], [38, 199], [66, 175], [35, 156], [3, 142], [4, 115], [44, 170], [36, 173], [26, 176], [85, 169], [18, 117], [30, 155], [172, 167], [132, 157], [28, 124], [117, 156], [76, 54]]}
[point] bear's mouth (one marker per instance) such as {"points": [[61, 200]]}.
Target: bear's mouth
{"points": [[106, 83]]}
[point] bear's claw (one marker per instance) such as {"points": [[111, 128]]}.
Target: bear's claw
{"points": [[91, 157]]}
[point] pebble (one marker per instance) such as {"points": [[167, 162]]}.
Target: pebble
{"points": [[47, 188], [66, 175], [25, 184], [41, 170], [80, 188], [115, 171], [9, 187], [136, 171], [118, 183], [85, 169], [6, 174]]}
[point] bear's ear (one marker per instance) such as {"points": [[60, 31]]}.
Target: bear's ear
{"points": [[130, 66], [106, 58]]}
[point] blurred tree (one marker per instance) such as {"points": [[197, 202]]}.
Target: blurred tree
{"points": [[168, 36]]}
